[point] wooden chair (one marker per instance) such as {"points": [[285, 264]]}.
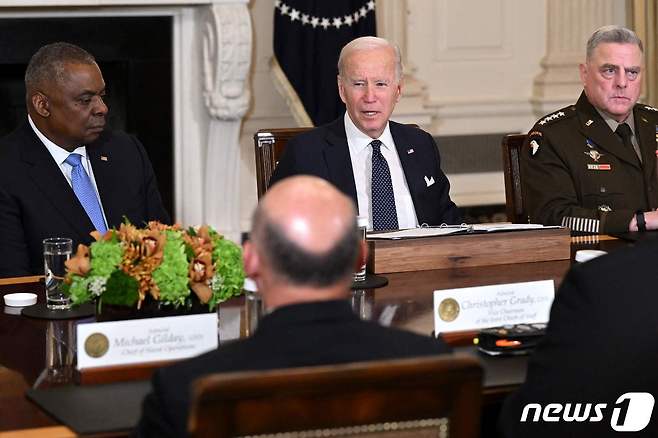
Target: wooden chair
{"points": [[514, 205], [270, 144], [408, 396]]}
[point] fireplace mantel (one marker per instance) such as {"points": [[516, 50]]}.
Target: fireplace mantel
{"points": [[212, 46]]}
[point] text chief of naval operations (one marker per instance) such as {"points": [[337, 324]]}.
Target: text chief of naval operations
{"points": [[66, 116], [369, 83], [592, 166]]}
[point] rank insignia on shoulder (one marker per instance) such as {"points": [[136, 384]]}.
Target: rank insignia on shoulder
{"points": [[551, 117]]}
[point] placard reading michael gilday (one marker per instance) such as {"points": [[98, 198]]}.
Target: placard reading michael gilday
{"points": [[145, 340], [471, 308]]}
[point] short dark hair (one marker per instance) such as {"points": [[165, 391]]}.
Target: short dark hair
{"points": [[302, 267], [47, 64]]}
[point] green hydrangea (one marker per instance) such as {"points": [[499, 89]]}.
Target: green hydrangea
{"points": [[171, 275], [105, 257], [78, 290], [229, 271], [121, 290]]}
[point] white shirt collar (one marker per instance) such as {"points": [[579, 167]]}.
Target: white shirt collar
{"points": [[360, 141], [59, 153]]}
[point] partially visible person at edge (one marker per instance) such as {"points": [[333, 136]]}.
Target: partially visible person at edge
{"points": [[62, 174], [302, 254], [592, 166]]}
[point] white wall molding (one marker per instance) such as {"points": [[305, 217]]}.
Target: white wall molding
{"points": [[569, 25]]}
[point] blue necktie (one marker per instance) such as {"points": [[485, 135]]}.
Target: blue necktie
{"points": [[384, 215], [85, 192]]}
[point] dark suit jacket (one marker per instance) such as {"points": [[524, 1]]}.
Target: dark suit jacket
{"points": [[292, 336], [37, 202], [324, 152], [601, 342]]}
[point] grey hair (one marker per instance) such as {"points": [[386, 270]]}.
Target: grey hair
{"points": [[369, 42], [612, 34], [47, 64]]}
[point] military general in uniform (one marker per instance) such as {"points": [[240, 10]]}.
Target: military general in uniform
{"points": [[592, 166]]}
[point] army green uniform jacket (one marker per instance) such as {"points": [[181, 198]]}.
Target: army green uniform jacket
{"points": [[578, 173]]}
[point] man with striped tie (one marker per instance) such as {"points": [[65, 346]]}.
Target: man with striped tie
{"points": [[391, 171], [61, 173]]}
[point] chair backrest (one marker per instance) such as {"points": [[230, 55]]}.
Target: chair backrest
{"points": [[515, 207], [270, 144], [354, 398]]}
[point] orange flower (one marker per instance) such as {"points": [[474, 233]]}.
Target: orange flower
{"points": [[200, 272], [80, 264]]}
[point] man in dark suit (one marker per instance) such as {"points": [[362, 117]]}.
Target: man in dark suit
{"points": [[302, 254], [391, 171], [61, 173], [601, 343]]}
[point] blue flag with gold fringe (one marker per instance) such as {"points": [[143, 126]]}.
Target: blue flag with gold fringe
{"points": [[308, 36]]}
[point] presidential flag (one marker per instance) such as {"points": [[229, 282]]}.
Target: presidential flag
{"points": [[308, 36]]}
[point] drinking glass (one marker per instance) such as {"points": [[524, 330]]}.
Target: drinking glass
{"points": [[56, 251], [360, 274]]}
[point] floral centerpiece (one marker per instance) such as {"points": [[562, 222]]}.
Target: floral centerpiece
{"points": [[134, 267]]}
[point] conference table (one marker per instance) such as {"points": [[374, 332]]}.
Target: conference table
{"points": [[406, 302]]}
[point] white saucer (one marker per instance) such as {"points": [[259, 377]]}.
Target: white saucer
{"points": [[585, 255], [20, 299]]}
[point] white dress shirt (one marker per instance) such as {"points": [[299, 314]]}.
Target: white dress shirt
{"points": [[60, 155], [361, 156]]}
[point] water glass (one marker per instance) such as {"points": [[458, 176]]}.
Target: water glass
{"points": [[56, 251], [253, 306], [360, 274]]}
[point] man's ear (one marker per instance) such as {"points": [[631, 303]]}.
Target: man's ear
{"points": [[251, 260], [40, 104], [341, 90], [582, 69]]}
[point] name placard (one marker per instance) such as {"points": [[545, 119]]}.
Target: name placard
{"points": [[479, 307], [145, 340]]}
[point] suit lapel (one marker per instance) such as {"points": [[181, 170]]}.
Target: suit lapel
{"points": [[49, 179], [597, 130], [413, 172], [337, 157], [646, 137]]}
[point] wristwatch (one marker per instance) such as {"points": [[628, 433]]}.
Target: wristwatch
{"points": [[641, 223]]}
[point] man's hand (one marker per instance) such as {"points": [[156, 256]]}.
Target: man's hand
{"points": [[650, 218]]}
